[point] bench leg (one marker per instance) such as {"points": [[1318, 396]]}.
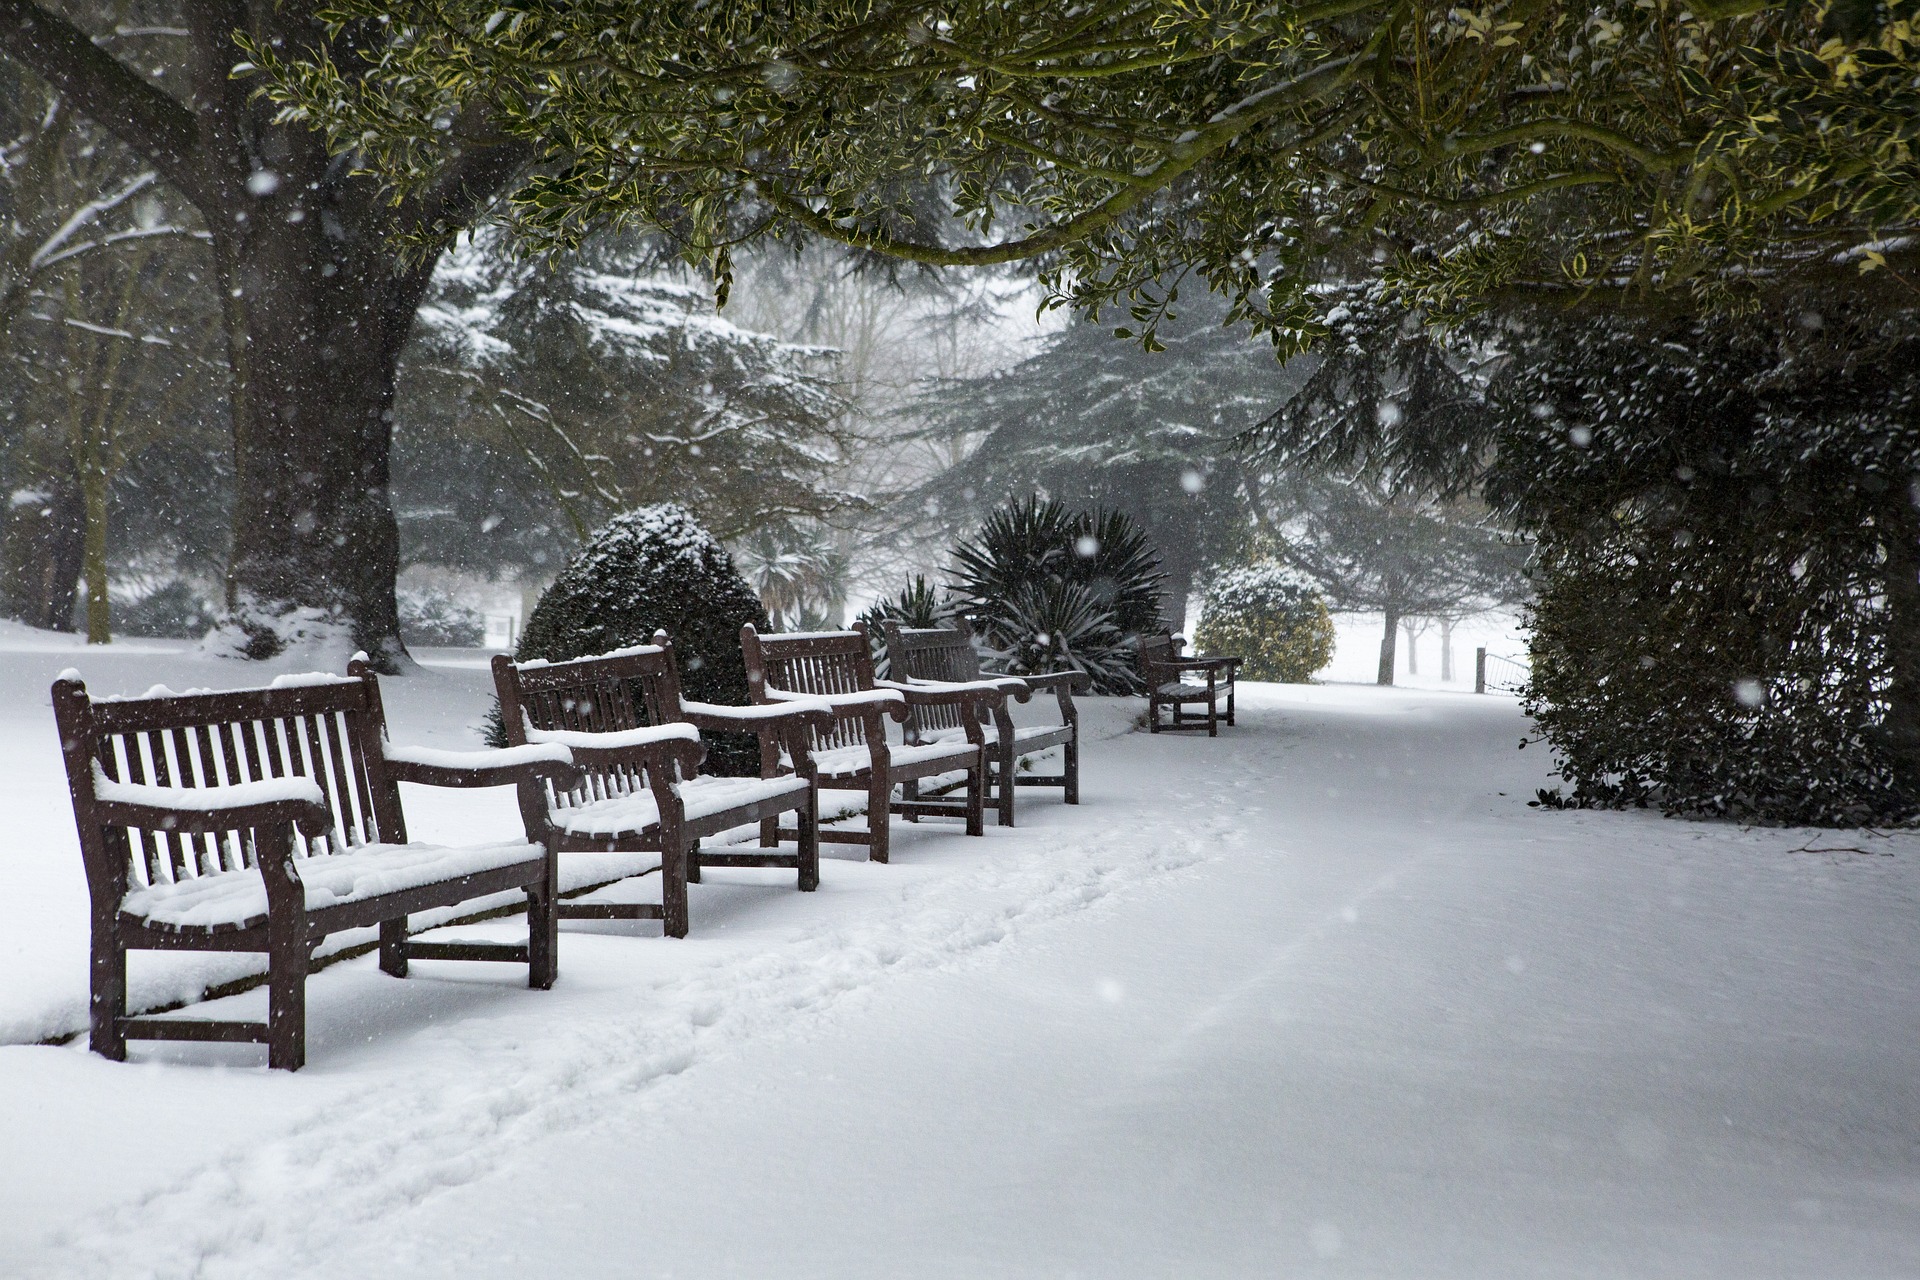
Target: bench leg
{"points": [[879, 818], [393, 947], [1213, 719], [977, 797], [673, 888], [287, 962], [909, 792], [543, 933], [1229, 705], [770, 833], [108, 998], [1072, 769], [693, 863], [1008, 763], [808, 817]]}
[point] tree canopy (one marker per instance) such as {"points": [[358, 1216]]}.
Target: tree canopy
{"points": [[1125, 145]]}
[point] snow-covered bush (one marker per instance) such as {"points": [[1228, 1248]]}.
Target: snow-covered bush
{"points": [[435, 618], [1011, 579], [173, 609], [651, 569], [1269, 614]]}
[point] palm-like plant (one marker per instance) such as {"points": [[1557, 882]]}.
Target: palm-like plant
{"points": [[919, 604], [1012, 577]]}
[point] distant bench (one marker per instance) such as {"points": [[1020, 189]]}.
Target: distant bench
{"points": [[266, 819]]}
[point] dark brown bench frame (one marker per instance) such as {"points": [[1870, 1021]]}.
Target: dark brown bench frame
{"points": [[837, 668], [343, 727], [639, 688], [945, 655], [1161, 666]]}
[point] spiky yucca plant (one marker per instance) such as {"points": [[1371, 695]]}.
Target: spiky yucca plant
{"points": [[919, 604], [1009, 577]]}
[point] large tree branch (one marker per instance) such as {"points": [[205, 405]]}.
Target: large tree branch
{"points": [[465, 185], [107, 92]]}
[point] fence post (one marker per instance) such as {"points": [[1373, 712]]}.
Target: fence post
{"points": [[1480, 669]]}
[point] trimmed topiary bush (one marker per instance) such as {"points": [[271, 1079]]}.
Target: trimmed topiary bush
{"points": [[651, 569], [1272, 616], [1013, 576]]}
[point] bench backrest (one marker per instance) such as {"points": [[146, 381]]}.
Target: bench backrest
{"points": [[323, 727], [1155, 650], [626, 689], [932, 653], [819, 662]]}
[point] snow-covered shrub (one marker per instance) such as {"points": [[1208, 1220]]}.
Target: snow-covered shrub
{"points": [[1272, 616], [650, 569], [435, 618], [1011, 575], [919, 604], [173, 609]]}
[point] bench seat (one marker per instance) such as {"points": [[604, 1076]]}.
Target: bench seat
{"points": [[843, 762], [1024, 736], [1183, 691], [238, 899], [703, 797]]}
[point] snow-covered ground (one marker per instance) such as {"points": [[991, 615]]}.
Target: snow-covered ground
{"points": [[1321, 996]]}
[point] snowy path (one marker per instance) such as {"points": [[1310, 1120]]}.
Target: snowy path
{"points": [[1312, 998]]}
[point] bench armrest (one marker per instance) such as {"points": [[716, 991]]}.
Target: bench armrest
{"points": [[1071, 681], [944, 693], [273, 802], [806, 713], [857, 702], [646, 746], [500, 767]]}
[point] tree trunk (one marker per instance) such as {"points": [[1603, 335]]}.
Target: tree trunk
{"points": [[315, 327], [93, 489], [1902, 548], [1446, 649], [42, 552], [1413, 647], [1385, 675], [315, 296]]}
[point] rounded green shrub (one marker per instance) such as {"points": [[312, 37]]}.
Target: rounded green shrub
{"points": [[1270, 615], [654, 569]]}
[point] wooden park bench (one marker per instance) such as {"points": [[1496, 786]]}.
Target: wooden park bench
{"points": [[636, 743], [266, 819], [851, 753], [1165, 673], [945, 657]]}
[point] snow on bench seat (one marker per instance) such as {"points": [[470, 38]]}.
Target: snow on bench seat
{"points": [[703, 797], [991, 733], [1186, 692], [839, 762], [238, 899]]}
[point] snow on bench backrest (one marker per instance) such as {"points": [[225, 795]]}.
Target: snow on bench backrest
{"points": [[633, 688], [932, 653], [319, 728], [817, 662]]}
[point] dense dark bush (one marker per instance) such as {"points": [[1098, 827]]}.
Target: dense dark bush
{"points": [[1051, 589], [1726, 574], [651, 569], [173, 610], [1272, 616], [433, 618]]}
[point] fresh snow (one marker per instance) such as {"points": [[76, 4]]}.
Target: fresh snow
{"points": [[1318, 997]]}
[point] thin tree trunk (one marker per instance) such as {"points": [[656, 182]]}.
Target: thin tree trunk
{"points": [[1386, 645], [1446, 649], [1902, 548], [1413, 647], [93, 487]]}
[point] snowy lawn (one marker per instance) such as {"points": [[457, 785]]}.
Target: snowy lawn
{"points": [[1319, 997]]}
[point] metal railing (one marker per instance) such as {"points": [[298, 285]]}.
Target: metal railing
{"points": [[1497, 674]]}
